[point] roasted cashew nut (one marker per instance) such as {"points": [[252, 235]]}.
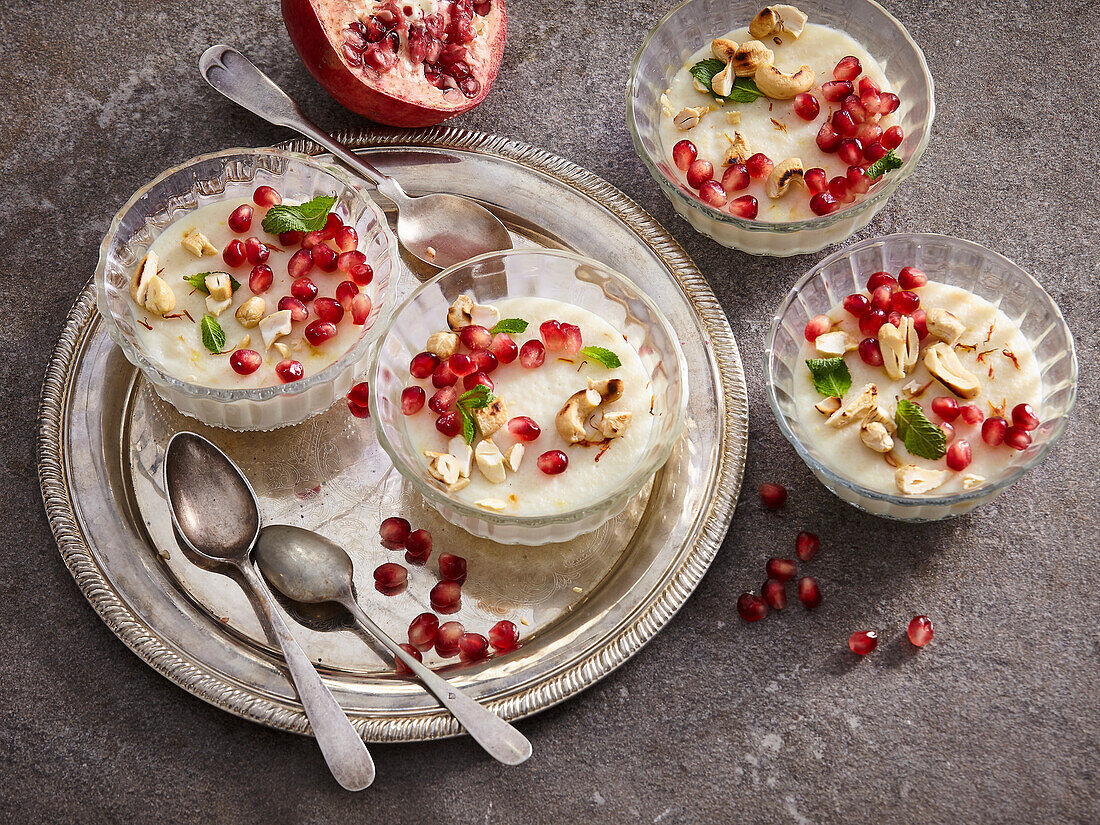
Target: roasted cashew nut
{"points": [[766, 22], [781, 86], [750, 57], [571, 418], [785, 175]]}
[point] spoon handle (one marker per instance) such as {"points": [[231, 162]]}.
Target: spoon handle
{"points": [[236, 77], [344, 751], [500, 740]]}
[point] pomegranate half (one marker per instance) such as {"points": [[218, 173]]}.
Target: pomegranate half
{"points": [[401, 62]]}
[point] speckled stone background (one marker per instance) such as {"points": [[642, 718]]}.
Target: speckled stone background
{"points": [[998, 720]]}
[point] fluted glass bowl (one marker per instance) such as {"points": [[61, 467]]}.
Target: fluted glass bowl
{"points": [[951, 261], [235, 173], [682, 31], [563, 276]]}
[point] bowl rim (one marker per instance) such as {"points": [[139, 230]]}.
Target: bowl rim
{"points": [[158, 375], [676, 189], [642, 471], [981, 492]]}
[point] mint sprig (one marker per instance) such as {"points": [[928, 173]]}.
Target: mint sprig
{"points": [[473, 399], [887, 163], [603, 356], [921, 437], [744, 88], [213, 336], [830, 376], [303, 217], [198, 281], [511, 326]]}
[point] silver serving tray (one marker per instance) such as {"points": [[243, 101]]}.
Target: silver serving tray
{"points": [[583, 607]]}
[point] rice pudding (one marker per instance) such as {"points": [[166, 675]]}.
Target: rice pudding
{"points": [[548, 412], [938, 387]]}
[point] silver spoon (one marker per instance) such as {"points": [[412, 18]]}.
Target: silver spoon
{"points": [[454, 227], [306, 567], [214, 510]]}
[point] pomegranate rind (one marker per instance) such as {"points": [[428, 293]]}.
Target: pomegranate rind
{"points": [[316, 29]]}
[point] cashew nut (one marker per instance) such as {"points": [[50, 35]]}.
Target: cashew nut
{"points": [[251, 312], [491, 418], [945, 326], [571, 417], [490, 461], [442, 345], [197, 243], [900, 346], [485, 315], [462, 452], [140, 280], [738, 151], [514, 456], [614, 424], [785, 175], [828, 406], [856, 406], [724, 49], [781, 86], [879, 415], [159, 297], [914, 480], [835, 344], [610, 389], [751, 56], [875, 436], [274, 326], [972, 480], [766, 22], [791, 20], [494, 504], [945, 366], [444, 467], [458, 316], [689, 117], [722, 83]]}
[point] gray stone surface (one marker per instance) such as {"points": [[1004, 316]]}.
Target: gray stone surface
{"points": [[716, 720]]}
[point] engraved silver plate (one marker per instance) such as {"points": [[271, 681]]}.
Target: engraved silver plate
{"points": [[582, 607]]}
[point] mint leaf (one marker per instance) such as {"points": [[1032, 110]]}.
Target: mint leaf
{"points": [[469, 429], [604, 356], [744, 88], [705, 70], [887, 163], [512, 326], [830, 375], [744, 91], [198, 281], [921, 437], [213, 336], [473, 399], [305, 217]]}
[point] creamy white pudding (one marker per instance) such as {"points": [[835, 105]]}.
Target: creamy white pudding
{"points": [[601, 446], [989, 348]]}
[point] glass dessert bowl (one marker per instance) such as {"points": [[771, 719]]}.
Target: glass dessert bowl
{"points": [[528, 395], [779, 135], [233, 324], [919, 376]]}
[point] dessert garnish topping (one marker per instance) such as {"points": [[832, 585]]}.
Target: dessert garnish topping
{"points": [[830, 376], [921, 437], [477, 398], [511, 326], [304, 217], [603, 356], [887, 163], [198, 281], [743, 90], [213, 336]]}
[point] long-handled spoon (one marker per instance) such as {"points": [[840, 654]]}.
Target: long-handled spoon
{"points": [[307, 567], [441, 230], [214, 511]]}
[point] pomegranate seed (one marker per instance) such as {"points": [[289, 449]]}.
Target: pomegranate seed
{"points": [[359, 394], [875, 151], [945, 407], [816, 180], [328, 309], [233, 254], [523, 428], [346, 238], [751, 607], [478, 378], [298, 311], [255, 250], [484, 361], [774, 593], [423, 364], [684, 154], [245, 361], [827, 137], [839, 189], [450, 424], [971, 414], [958, 454], [823, 203], [881, 278], [806, 545], [443, 400], [289, 370], [300, 264], [461, 364], [856, 304], [311, 240], [855, 108], [712, 193], [504, 635], [889, 103], [773, 496], [844, 124], [893, 137], [818, 325], [423, 630], [863, 642], [265, 196], [806, 106], [419, 546], [835, 91], [920, 324], [362, 274], [402, 669], [333, 223], [871, 321], [447, 639], [446, 597], [948, 431], [870, 352], [894, 318], [291, 238], [911, 278], [532, 354], [472, 647], [858, 180], [260, 279], [444, 376], [850, 151], [744, 207], [905, 302], [346, 260], [319, 331], [735, 178], [880, 298], [553, 336], [357, 411], [1017, 438], [699, 172], [324, 256], [360, 309], [345, 292], [240, 219], [759, 166], [452, 568], [1024, 416], [866, 86], [808, 592], [920, 630], [873, 101], [412, 400], [390, 578], [869, 133], [553, 462], [394, 530], [475, 337], [504, 348], [780, 569], [848, 68]]}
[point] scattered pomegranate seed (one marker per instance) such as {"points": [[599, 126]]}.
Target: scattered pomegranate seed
{"points": [[346, 238], [945, 407], [450, 424], [390, 578], [867, 85], [418, 546], [461, 364], [818, 325], [844, 125], [993, 431], [874, 151], [870, 352], [240, 219], [346, 260], [553, 462], [816, 180], [319, 331], [552, 335], [289, 370], [443, 400], [402, 669], [869, 133], [759, 166], [684, 154], [504, 348], [744, 207], [475, 378], [504, 636], [893, 137], [808, 592], [948, 431], [863, 642], [848, 68], [855, 108], [394, 530], [245, 361], [958, 455], [712, 193], [423, 364], [780, 569], [524, 428], [423, 630], [484, 361], [856, 304], [300, 264], [735, 178], [444, 376], [774, 593], [871, 321], [840, 190], [233, 254], [859, 182], [894, 317], [446, 597], [311, 240], [573, 340], [920, 631], [358, 411], [255, 250], [881, 278], [333, 224], [328, 309], [699, 172], [266, 196], [881, 298], [345, 292], [452, 567], [911, 278], [475, 337], [920, 324], [806, 106], [773, 496], [291, 238], [905, 302], [412, 400], [260, 279], [835, 91], [448, 637], [751, 607], [298, 311], [889, 103], [823, 203], [362, 274], [806, 545], [1024, 416], [472, 647], [360, 309], [1017, 438], [532, 354], [324, 257], [971, 414]]}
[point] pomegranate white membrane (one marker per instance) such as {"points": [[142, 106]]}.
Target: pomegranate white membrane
{"points": [[549, 369]]}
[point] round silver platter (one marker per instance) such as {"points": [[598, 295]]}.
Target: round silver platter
{"points": [[583, 608]]}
